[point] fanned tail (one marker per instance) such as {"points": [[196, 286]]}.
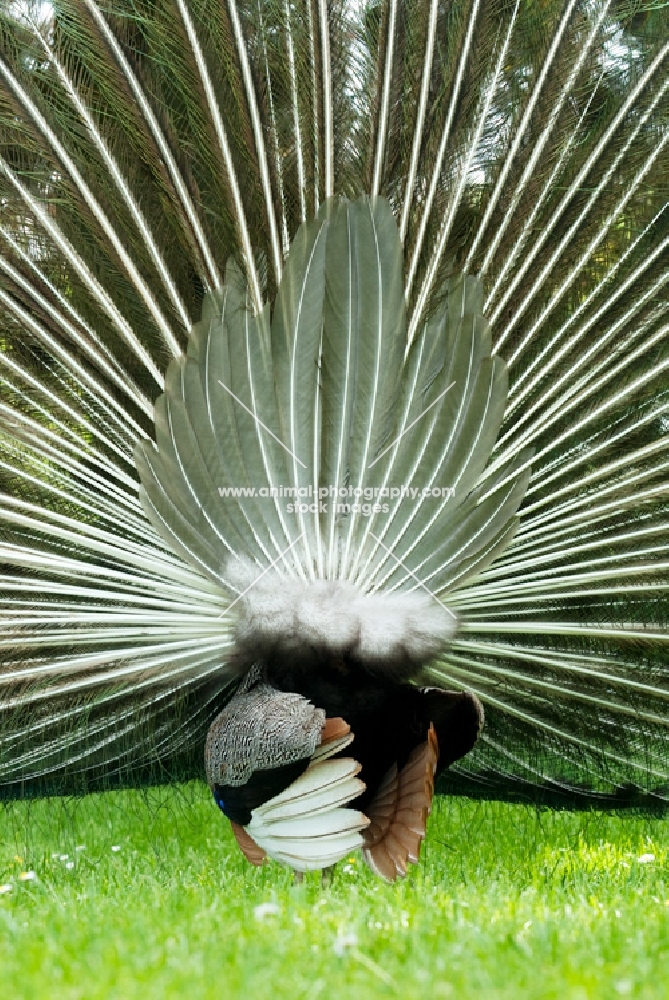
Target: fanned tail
{"points": [[143, 176]]}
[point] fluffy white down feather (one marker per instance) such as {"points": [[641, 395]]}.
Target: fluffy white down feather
{"points": [[279, 614]]}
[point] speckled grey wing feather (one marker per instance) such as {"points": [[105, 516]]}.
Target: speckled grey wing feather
{"points": [[261, 729]]}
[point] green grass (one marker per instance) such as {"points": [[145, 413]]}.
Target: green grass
{"points": [[508, 901]]}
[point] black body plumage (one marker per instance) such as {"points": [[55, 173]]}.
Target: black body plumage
{"points": [[389, 721]]}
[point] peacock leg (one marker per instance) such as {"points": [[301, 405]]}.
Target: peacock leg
{"points": [[326, 876]]}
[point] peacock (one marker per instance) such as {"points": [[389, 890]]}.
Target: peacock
{"points": [[334, 408]]}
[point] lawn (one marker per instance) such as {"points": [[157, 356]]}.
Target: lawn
{"points": [[144, 894]]}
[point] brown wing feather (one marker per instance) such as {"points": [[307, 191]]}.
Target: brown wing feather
{"points": [[398, 813], [248, 846], [334, 729]]}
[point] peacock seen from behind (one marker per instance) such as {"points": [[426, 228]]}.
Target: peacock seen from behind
{"points": [[334, 408]]}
